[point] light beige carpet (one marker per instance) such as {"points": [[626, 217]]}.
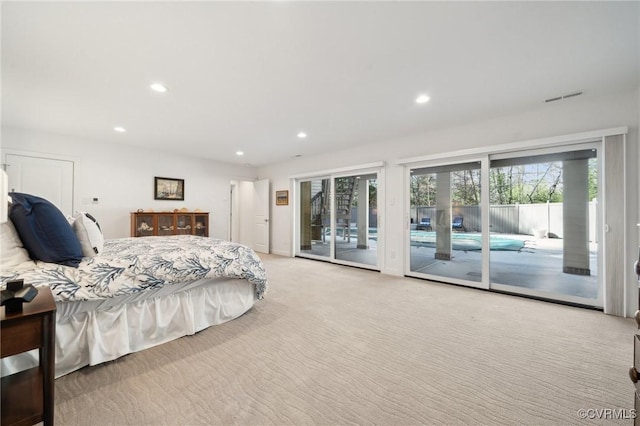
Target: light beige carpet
{"points": [[337, 345]]}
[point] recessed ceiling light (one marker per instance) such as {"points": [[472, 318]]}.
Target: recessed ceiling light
{"points": [[239, 153], [158, 87], [302, 135], [120, 129], [422, 99]]}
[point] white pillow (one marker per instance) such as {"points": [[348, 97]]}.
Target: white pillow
{"points": [[12, 252], [89, 234]]}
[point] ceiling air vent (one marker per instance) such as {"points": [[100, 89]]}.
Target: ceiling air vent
{"points": [[559, 98]]}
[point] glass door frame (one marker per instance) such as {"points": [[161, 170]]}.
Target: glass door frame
{"points": [[379, 172], [483, 160], [485, 165], [296, 231], [375, 168], [596, 145]]}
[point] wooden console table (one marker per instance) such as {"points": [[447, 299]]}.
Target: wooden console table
{"points": [[27, 396], [147, 224]]}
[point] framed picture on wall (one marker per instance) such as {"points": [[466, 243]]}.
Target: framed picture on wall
{"points": [[168, 189], [282, 198]]}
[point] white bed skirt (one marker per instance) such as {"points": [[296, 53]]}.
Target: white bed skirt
{"points": [[89, 333]]}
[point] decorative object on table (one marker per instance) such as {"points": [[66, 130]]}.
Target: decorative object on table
{"points": [[168, 189], [282, 198], [157, 224], [144, 226], [16, 294]]}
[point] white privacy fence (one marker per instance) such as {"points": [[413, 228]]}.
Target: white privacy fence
{"points": [[528, 219]]}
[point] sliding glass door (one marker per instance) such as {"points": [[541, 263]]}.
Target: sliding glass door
{"points": [[546, 204], [356, 219], [521, 222], [314, 230], [445, 236], [338, 219]]}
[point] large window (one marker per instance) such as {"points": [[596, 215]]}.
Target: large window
{"points": [[315, 218], [356, 219], [446, 222], [338, 218], [522, 222], [547, 205]]}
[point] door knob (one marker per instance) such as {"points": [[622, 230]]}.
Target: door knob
{"points": [[633, 374]]}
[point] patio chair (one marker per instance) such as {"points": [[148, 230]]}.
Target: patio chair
{"points": [[425, 224], [456, 225]]}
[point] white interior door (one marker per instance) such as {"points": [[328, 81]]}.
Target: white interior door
{"points": [[51, 179], [261, 216], [233, 213]]}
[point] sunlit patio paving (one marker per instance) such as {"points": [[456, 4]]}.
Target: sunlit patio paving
{"points": [[516, 260], [537, 265]]}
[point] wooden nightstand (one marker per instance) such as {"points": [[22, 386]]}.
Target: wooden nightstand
{"points": [[27, 396]]}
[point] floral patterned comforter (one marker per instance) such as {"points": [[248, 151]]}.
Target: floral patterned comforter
{"points": [[130, 265]]}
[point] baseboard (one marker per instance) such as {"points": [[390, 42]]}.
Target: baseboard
{"points": [[393, 272], [281, 253]]}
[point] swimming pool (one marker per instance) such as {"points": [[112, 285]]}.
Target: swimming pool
{"points": [[459, 240], [466, 241]]}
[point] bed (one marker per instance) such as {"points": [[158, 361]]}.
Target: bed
{"points": [[136, 293]]}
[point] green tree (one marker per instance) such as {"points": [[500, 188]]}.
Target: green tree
{"points": [[593, 178], [466, 187]]}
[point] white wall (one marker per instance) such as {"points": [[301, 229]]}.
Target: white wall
{"points": [[281, 217], [575, 115], [122, 178]]}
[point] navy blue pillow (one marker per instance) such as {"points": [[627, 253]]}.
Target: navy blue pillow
{"points": [[44, 231]]}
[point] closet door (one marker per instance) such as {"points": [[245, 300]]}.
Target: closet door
{"points": [[48, 178]]}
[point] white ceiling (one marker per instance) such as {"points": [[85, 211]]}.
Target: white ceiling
{"points": [[250, 75]]}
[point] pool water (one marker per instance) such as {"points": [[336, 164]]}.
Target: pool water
{"points": [[459, 240], [466, 242]]}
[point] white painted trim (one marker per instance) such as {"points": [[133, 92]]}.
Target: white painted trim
{"points": [[38, 154], [295, 220], [445, 161], [485, 206], [73, 159], [281, 253], [521, 145], [485, 166], [379, 171], [630, 304], [377, 164]]}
